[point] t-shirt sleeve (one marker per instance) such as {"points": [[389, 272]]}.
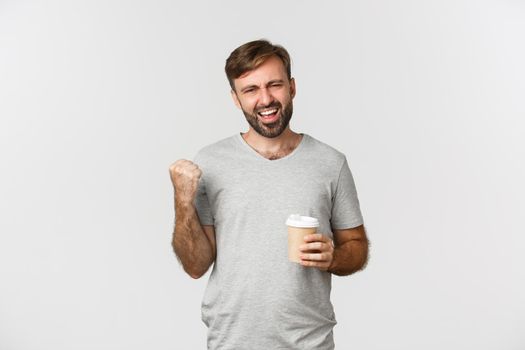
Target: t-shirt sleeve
{"points": [[202, 204], [346, 212]]}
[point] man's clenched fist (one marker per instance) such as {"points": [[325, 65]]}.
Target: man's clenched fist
{"points": [[185, 177]]}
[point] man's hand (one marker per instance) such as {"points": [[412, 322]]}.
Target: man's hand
{"points": [[185, 177], [318, 251]]}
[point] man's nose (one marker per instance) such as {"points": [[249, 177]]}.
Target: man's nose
{"points": [[266, 97]]}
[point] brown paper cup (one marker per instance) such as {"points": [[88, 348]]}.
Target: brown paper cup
{"points": [[298, 227], [296, 239]]}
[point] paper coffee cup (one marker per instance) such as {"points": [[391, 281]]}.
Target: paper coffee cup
{"points": [[298, 227]]}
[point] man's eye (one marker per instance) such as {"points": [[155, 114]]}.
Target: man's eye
{"points": [[247, 91]]}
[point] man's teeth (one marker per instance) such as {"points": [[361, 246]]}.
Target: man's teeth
{"points": [[268, 112]]}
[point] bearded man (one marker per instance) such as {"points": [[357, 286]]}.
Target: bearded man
{"points": [[231, 205]]}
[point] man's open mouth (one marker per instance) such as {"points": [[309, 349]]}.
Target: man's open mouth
{"points": [[268, 114]]}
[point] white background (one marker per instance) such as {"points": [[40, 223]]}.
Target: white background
{"points": [[98, 98]]}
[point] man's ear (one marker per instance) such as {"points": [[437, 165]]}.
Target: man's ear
{"points": [[235, 98], [292, 87]]}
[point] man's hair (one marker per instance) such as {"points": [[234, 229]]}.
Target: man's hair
{"points": [[251, 55]]}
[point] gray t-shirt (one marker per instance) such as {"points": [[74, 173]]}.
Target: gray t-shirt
{"points": [[255, 298]]}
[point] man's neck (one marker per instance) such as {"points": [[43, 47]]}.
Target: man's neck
{"points": [[273, 148]]}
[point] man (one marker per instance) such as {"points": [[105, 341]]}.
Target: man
{"points": [[231, 205]]}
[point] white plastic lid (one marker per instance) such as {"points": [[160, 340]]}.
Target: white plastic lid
{"points": [[297, 220]]}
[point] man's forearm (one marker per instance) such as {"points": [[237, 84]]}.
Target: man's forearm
{"points": [[349, 257], [190, 243]]}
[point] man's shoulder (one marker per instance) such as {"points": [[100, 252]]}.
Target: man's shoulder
{"points": [[325, 151], [213, 150]]}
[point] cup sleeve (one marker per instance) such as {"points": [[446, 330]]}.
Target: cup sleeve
{"points": [[346, 211]]}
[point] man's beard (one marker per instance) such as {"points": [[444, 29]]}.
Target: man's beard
{"points": [[274, 129]]}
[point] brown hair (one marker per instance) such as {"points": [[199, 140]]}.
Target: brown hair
{"points": [[251, 55]]}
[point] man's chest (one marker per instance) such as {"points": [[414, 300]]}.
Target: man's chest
{"points": [[257, 189]]}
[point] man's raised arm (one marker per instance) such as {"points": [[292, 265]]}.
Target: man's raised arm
{"points": [[194, 245]]}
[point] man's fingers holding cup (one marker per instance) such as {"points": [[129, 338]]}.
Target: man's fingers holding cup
{"points": [[317, 251], [317, 246], [320, 264], [317, 241], [316, 256]]}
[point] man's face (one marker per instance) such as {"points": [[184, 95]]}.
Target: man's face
{"points": [[265, 96]]}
